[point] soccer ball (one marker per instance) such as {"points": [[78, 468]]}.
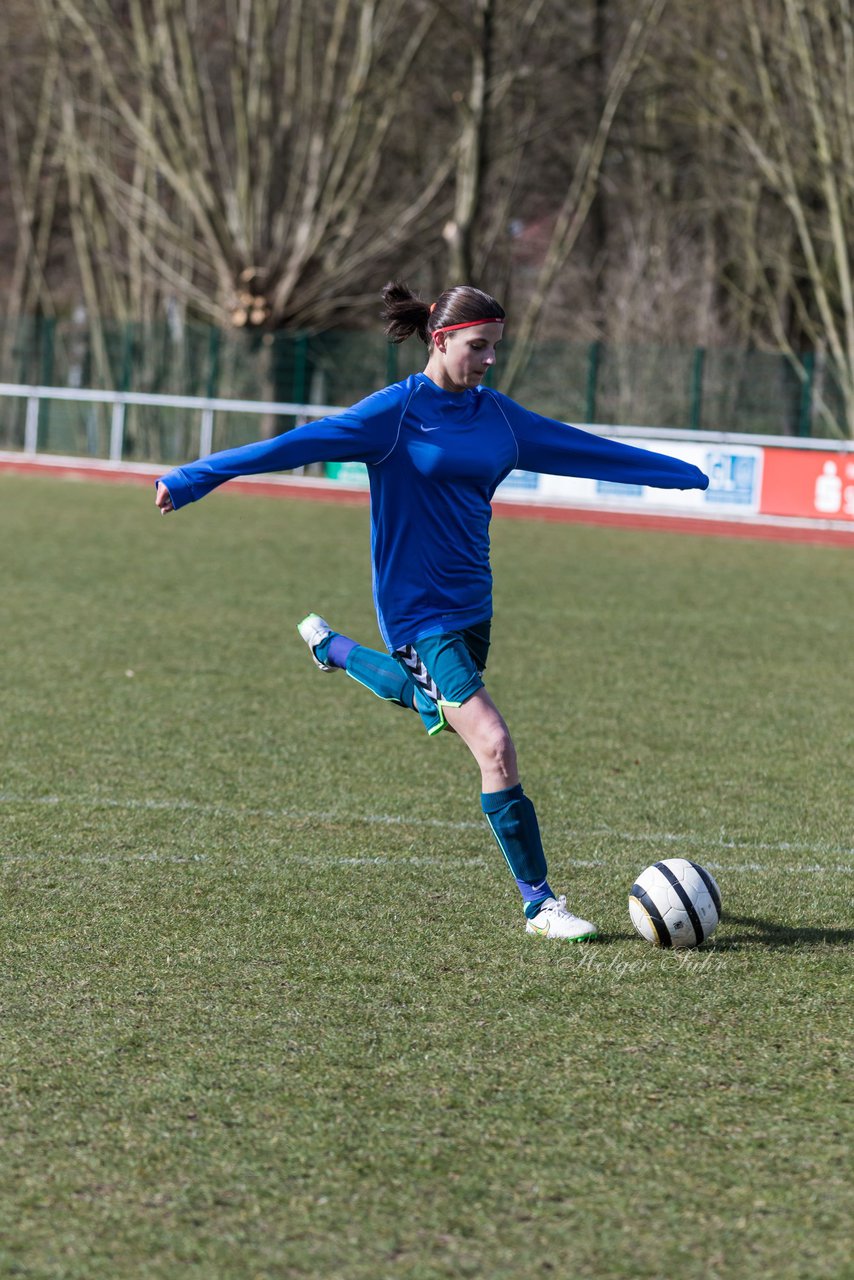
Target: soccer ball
{"points": [[675, 903]]}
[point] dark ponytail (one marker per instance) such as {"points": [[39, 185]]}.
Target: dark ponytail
{"points": [[405, 313]]}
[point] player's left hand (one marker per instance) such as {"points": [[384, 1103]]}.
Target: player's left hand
{"points": [[162, 499]]}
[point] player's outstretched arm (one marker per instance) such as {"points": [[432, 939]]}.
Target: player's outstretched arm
{"points": [[364, 433], [557, 448]]}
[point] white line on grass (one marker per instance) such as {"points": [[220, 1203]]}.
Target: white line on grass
{"points": [[386, 859], [233, 811], [705, 843]]}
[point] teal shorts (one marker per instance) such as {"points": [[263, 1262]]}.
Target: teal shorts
{"points": [[445, 670]]}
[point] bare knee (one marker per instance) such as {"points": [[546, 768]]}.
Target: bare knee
{"points": [[496, 755], [481, 726], [498, 750]]}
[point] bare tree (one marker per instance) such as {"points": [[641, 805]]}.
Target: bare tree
{"points": [[238, 148], [581, 189], [478, 29], [782, 89], [264, 163], [27, 98]]}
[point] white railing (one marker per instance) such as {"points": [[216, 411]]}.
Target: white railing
{"points": [[121, 399], [207, 407]]}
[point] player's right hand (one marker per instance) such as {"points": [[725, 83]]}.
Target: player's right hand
{"points": [[162, 499]]}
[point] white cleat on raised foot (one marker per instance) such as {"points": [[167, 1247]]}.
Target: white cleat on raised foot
{"points": [[554, 921], [313, 630]]}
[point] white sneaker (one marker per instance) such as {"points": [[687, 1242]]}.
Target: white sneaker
{"points": [[313, 629], [554, 921]]}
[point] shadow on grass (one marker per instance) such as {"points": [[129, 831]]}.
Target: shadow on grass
{"points": [[775, 933], [770, 934]]}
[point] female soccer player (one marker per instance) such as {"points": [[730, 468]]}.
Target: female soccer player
{"points": [[436, 446]]}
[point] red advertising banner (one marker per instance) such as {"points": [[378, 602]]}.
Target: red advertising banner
{"points": [[808, 482]]}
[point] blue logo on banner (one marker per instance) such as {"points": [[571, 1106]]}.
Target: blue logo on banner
{"points": [[619, 490], [732, 478], [520, 480]]}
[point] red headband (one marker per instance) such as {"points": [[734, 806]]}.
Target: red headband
{"points": [[466, 324]]}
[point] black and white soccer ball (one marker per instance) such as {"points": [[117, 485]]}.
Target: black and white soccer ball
{"points": [[675, 903]]}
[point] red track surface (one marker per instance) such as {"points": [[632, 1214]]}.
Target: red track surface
{"points": [[318, 491]]}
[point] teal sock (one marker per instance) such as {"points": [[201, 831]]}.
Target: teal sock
{"points": [[381, 674], [321, 651], [513, 821], [333, 649], [534, 907], [376, 671]]}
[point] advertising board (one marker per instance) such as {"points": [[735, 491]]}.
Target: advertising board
{"points": [[734, 471], [814, 484]]}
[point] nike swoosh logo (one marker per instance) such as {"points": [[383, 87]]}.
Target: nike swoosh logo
{"points": [[423, 428], [540, 928]]}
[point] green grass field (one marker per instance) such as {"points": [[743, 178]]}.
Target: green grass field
{"points": [[268, 1006]]}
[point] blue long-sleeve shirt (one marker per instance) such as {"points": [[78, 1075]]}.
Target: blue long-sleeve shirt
{"points": [[434, 459]]}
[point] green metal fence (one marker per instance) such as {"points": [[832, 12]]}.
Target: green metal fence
{"points": [[717, 390]]}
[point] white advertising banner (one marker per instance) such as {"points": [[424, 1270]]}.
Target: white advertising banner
{"points": [[734, 471]]}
